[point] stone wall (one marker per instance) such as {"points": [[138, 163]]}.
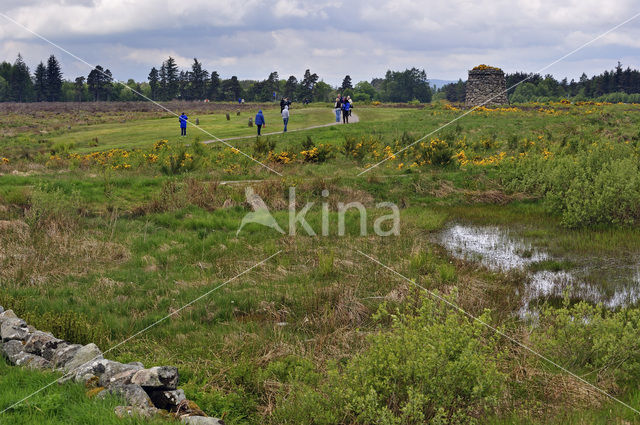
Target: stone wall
{"points": [[486, 85], [147, 392]]}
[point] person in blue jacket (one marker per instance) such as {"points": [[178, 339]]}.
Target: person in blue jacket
{"points": [[260, 121], [183, 124], [346, 107]]}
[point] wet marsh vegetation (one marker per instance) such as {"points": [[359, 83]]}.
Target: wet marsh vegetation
{"points": [[96, 244]]}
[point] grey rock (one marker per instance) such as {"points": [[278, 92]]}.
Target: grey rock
{"points": [[134, 395], [133, 411], [201, 420], [11, 349], [121, 373], [88, 371], [167, 400], [122, 378], [14, 328], [63, 354], [40, 342], [85, 354], [136, 364], [1, 309], [8, 314], [161, 378], [49, 351], [31, 361]]}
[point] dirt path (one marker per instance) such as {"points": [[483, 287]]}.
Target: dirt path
{"points": [[352, 120]]}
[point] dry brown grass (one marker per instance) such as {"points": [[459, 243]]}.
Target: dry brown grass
{"points": [[35, 256]]}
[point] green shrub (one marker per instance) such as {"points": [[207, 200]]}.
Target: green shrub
{"points": [[308, 144], [182, 160], [433, 366], [600, 185], [263, 145], [587, 338]]}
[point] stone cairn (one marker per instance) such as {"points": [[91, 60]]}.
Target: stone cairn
{"points": [[147, 392], [485, 83]]}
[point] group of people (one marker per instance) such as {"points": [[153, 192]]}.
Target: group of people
{"points": [[343, 106], [284, 112]]}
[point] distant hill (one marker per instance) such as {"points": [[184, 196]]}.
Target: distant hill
{"points": [[440, 83]]}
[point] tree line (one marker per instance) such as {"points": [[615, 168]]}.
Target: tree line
{"points": [[169, 82], [616, 85]]}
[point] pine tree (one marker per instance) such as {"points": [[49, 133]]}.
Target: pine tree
{"points": [[99, 83], [213, 90], [20, 81], [53, 80], [40, 82], [162, 95], [172, 78], [291, 87], [183, 85], [154, 80], [231, 89], [198, 81], [346, 83], [78, 87], [305, 90]]}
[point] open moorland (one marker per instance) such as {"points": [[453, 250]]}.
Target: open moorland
{"points": [[525, 217]]}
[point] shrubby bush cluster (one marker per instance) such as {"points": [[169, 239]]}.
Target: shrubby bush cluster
{"points": [[431, 366], [589, 338], [598, 185]]}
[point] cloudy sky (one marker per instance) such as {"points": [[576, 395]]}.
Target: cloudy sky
{"points": [[363, 38]]}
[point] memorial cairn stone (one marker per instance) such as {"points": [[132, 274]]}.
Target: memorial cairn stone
{"points": [[486, 86]]}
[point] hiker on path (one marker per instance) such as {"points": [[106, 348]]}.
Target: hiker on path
{"points": [[183, 124], [285, 117], [346, 107], [284, 102], [350, 104], [338, 108], [260, 121]]}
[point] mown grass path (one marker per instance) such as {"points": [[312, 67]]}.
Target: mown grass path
{"points": [[352, 120]]}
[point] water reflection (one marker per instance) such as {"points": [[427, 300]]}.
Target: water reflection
{"points": [[610, 282]]}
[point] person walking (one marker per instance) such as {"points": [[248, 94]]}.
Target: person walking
{"points": [[285, 117], [260, 121], [183, 124], [350, 104], [338, 108], [346, 107]]}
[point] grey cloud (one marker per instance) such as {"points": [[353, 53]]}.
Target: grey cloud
{"points": [[250, 38]]}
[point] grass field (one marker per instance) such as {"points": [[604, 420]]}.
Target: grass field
{"points": [[100, 239]]}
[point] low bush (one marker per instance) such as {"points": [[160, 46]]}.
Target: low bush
{"points": [[585, 338], [600, 185], [433, 366]]}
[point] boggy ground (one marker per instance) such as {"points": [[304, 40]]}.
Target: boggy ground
{"points": [[98, 242]]}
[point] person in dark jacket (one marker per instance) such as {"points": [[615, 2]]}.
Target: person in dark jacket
{"points": [[284, 102], [346, 107], [183, 124], [260, 121]]}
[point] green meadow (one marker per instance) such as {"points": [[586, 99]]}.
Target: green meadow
{"points": [[106, 228]]}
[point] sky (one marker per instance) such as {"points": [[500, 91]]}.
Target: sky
{"points": [[361, 38]]}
